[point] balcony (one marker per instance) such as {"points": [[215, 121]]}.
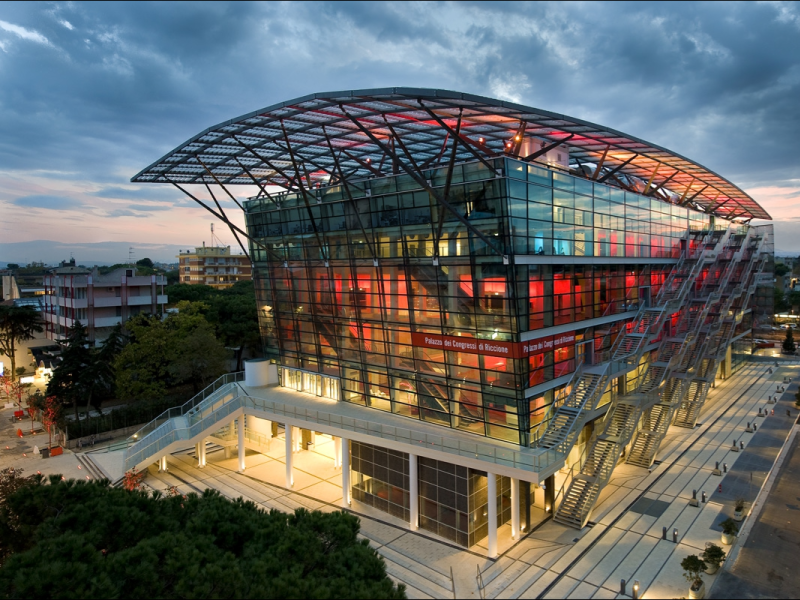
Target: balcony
{"points": [[107, 302], [140, 300], [107, 321], [73, 302]]}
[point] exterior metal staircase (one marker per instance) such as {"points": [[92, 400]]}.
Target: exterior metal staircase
{"points": [[688, 383], [683, 367], [582, 488], [739, 290]]}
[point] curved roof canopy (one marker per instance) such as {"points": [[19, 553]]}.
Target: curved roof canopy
{"points": [[368, 133]]}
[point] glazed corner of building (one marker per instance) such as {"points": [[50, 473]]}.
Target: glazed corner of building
{"points": [[390, 302]]}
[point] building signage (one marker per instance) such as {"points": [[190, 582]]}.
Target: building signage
{"points": [[491, 347]]}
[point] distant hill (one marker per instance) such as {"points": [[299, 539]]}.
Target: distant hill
{"points": [[98, 253]]}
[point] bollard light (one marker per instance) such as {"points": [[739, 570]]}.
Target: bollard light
{"points": [[725, 468], [635, 590], [675, 535], [755, 428], [704, 497], [622, 591], [741, 445], [663, 533]]}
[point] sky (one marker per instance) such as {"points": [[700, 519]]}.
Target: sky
{"points": [[91, 93]]}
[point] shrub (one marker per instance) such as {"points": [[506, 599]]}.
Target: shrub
{"points": [[729, 527], [713, 555], [692, 568]]}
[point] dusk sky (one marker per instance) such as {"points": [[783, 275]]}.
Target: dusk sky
{"points": [[92, 93]]}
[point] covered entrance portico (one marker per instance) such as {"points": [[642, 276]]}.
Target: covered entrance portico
{"points": [[457, 502]]}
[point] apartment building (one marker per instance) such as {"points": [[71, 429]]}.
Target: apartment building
{"points": [[214, 266], [99, 301]]}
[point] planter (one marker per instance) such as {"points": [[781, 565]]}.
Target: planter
{"points": [[699, 593], [738, 515], [712, 569], [56, 450], [728, 538]]}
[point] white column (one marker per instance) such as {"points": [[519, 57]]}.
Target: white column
{"points": [[203, 443], [289, 449], [337, 452], [162, 464], [198, 454], [242, 449], [514, 508], [296, 439], [413, 491], [492, 493], [345, 472]]}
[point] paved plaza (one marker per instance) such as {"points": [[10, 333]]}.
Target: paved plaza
{"points": [[622, 541]]}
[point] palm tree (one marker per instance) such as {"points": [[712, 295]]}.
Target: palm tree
{"points": [[17, 324]]}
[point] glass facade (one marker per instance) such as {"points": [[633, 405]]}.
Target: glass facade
{"points": [[380, 478], [452, 499], [374, 283]]}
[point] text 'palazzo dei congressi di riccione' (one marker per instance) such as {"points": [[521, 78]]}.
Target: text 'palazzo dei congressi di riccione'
{"points": [[529, 298]]}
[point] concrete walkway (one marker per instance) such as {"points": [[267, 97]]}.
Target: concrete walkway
{"points": [[765, 565], [623, 540]]}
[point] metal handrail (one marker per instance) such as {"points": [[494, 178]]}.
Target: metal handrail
{"points": [[185, 407], [481, 586], [233, 398]]}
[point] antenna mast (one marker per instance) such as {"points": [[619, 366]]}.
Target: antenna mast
{"points": [[215, 241]]}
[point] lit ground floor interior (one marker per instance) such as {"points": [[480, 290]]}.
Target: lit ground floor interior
{"points": [[623, 540]]}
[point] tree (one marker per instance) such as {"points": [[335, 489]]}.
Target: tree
{"points": [[51, 410], [132, 480], [14, 391], [781, 270], [145, 262], [69, 379], [161, 354], [141, 367], [232, 311], [198, 357], [713, 556], [789, 346], [692, 568], [17, 324], [12, 266], [780, 303], [97, 541], [85, 374]]}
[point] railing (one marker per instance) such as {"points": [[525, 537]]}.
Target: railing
{"points": [[232, 398], [178, 411], [481, 586]]}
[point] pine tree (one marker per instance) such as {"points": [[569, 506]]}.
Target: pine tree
{"points": [[789, 346]]}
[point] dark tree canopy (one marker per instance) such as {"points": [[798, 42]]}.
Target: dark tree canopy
{"points": [[145, 262], [789, 346], [232, 311], [17, 324], [68, 539]]}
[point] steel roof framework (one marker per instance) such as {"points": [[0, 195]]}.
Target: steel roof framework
{"points": [[318, 138]]}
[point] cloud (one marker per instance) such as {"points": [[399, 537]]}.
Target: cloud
{"points": [[30, 35], [716, 82], [125, 213], [47, 202], [130, 193]]}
